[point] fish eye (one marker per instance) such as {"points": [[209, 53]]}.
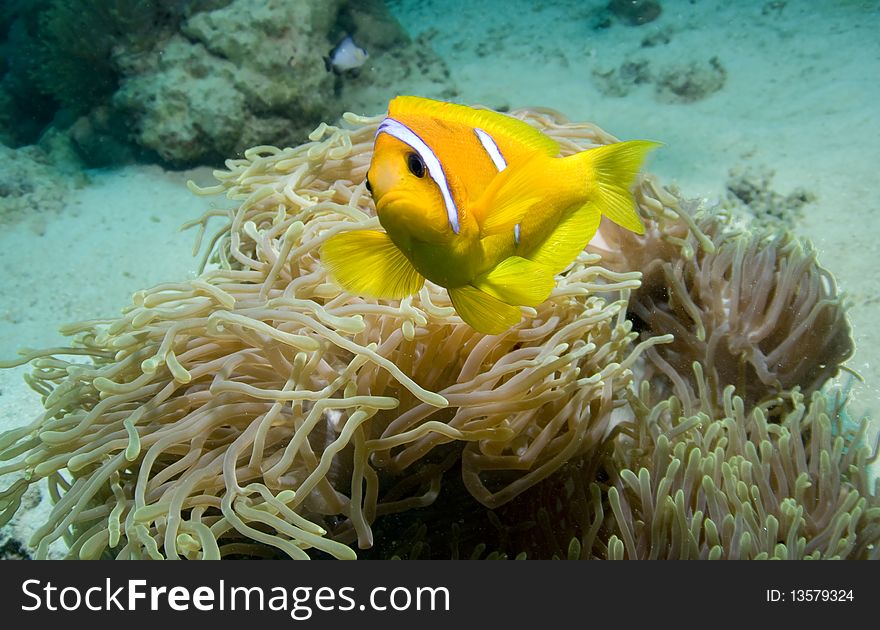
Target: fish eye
{"points": [[415, 164]]}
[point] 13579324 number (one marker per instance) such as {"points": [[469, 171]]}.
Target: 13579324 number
{"points": [[821, 595]]}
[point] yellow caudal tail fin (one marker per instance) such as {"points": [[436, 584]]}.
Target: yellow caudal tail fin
{"points": [[614, 168], [367, 263]]}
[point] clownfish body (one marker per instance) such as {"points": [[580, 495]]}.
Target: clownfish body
{"points": [[477, 202]]}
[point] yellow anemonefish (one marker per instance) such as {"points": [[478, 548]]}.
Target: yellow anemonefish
{"points": [[479, 203]]}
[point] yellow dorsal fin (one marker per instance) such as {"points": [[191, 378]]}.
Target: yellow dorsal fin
{"points": [[510, 195], [482, 312], [493, 123], [367, 263], [519, 281], [564, 243], [615, 167]]}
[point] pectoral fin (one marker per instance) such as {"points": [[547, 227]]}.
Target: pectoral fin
{"points": [[366, 262], [516, 280], [509, 196], [568, 239], [483, 312]]}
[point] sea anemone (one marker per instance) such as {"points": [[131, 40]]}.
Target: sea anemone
{"points": [[259, 406], [704, 485], [752, 307], [259, 409], [737, 485]]}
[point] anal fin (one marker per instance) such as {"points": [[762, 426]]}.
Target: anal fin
{"points": [[516, 280], [483, 312], [368, 263]]}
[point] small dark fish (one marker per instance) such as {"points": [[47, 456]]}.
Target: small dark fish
{"points": [[346, 57]]}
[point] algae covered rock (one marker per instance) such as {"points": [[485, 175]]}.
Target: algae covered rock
{"points": [[243, 74], [217, 87], [690, 82], [34, 182], [190, 82]]}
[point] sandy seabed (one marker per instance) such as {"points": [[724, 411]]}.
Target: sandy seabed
{"points": [[798, 100]]}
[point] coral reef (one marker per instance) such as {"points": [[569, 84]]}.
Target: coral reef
{"points": [[78, 43], [257, 410], [194, 82], [205, 94]]}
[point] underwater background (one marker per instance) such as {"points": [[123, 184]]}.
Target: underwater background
{"points": [[767, 111]]}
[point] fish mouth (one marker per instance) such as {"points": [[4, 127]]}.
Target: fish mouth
{"points": [[392, 199]]}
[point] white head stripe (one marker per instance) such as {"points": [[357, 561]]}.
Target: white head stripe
{"points": [[492, 149], [435, 168], [516, 230]]}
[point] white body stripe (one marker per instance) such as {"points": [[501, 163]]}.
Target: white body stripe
{"points": [[406, 135], [500, 163], [492, 149]]}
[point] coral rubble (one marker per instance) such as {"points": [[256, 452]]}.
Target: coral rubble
{"points": [[34, 182], [673, 83], [635, 12], [750, 192], [690, 82]]}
